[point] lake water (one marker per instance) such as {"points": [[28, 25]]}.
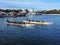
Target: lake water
{"points": [[37, 35]]}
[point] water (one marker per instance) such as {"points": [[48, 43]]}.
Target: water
{"points": [[37, 35]]}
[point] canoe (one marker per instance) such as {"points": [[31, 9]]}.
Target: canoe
{"points": [[44, 23], [20, 24]]}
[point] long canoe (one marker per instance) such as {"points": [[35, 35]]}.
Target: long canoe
{"points": [[19, 23], [44, 23]]}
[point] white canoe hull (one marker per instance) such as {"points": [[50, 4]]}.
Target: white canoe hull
{"points": [[45, 23], [20, 24]]}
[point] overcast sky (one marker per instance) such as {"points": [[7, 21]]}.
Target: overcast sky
{"points": [[34, 4]]}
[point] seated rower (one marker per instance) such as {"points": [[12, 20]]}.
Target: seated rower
{"points": [[29, 20], [42, 21], [7, 20]]}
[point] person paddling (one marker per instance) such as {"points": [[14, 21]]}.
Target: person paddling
{"points": [[42, 21], [7, 20]]}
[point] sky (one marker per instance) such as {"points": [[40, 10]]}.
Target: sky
{"points": [[30, 4]]}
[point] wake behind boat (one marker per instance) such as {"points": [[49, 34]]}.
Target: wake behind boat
{"points": [[19, 23]]}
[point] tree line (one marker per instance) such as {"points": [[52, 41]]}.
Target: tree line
{"points": [[55, 11]]}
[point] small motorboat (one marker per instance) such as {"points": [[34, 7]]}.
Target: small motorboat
{"points": [[37, 22], [19, 23]]}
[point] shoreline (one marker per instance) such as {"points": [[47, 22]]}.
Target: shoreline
{"points": [[50, 14]]}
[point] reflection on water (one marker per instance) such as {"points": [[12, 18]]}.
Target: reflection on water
{"points": [[37, 35]]}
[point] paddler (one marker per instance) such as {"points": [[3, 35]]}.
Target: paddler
{"points": [[42, 21], [7, 20]]}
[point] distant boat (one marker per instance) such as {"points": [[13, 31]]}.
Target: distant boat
{"points": [[2, 15]]}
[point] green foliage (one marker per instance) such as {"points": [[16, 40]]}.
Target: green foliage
{"points": [[55, 11], [50, 12]]}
